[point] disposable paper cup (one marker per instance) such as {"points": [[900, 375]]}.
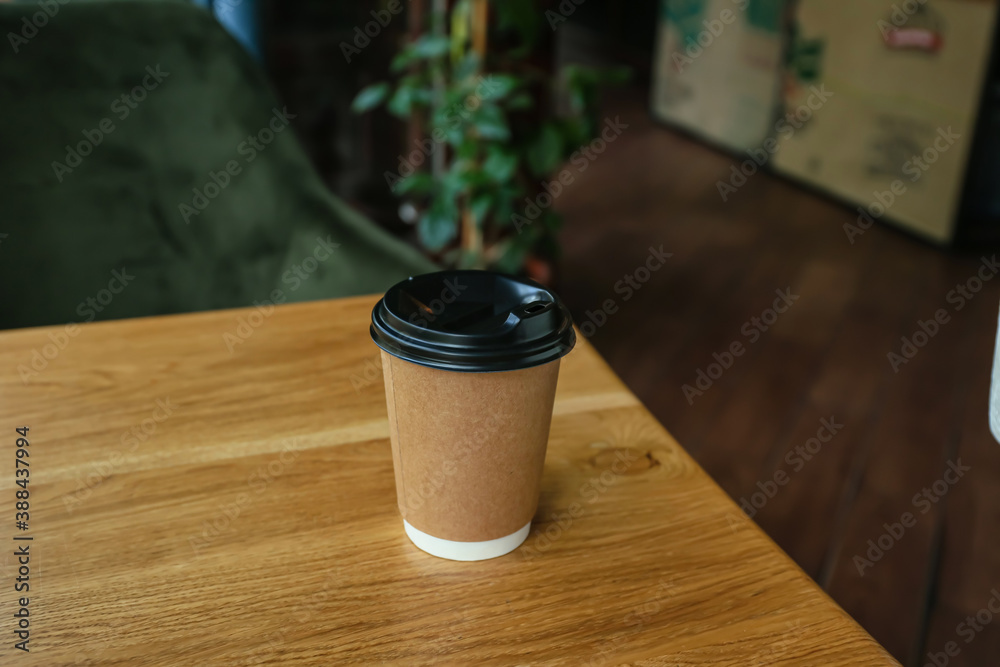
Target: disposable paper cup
{"points": [[470, 361]]}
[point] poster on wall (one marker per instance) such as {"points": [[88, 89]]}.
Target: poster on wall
{"points": [[904, 80], [717, 68]]}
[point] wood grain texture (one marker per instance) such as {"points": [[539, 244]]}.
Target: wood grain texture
{"points": [[825, 357], [969, 559], [257, 523]]}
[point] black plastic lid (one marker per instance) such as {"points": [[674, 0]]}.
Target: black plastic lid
{"points": [[472, 321]]}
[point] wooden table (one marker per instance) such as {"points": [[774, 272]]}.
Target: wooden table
{"points": [[217, 488]]}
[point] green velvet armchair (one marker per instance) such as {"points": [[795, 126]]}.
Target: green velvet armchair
{"points": [[147, 168]]}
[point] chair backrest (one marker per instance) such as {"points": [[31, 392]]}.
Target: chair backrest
{"points": [[146, 168]]}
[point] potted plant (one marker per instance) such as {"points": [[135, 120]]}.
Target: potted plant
{"points": [[492, 133]]}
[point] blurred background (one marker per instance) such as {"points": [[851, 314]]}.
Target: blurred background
{"points": [[775, 219]]}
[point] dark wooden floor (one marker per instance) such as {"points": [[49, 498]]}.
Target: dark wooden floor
{"points": [[825, 358]]}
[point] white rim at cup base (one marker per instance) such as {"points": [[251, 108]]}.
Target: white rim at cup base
{"points": [[466, 551]]}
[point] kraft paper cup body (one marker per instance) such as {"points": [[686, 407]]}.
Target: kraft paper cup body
{"points": [[468, 450], [470, 361]]}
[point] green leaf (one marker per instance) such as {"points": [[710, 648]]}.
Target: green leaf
{"points": [[455, 180], [595, 76], [370, 97], [401, 103], [545, 152], [523, 18], [424, 47], [490, 123], [467, 149], [422, 96], [500, 164], [452, 105], [438, 226], [582, 97], [467, 66], [451, 119], [615, 75], [521, 100], [402, 60], [417, 183], [431, 46], [513, 252], [493, 87], [551, 220], [480, 207], [508, 197], [584, 83], [578, 74], [576, 131], [463, 177]]}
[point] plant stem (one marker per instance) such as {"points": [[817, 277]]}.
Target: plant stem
{"points": [[472, 239], [480, 14], [472, 236], [439, 11]]}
